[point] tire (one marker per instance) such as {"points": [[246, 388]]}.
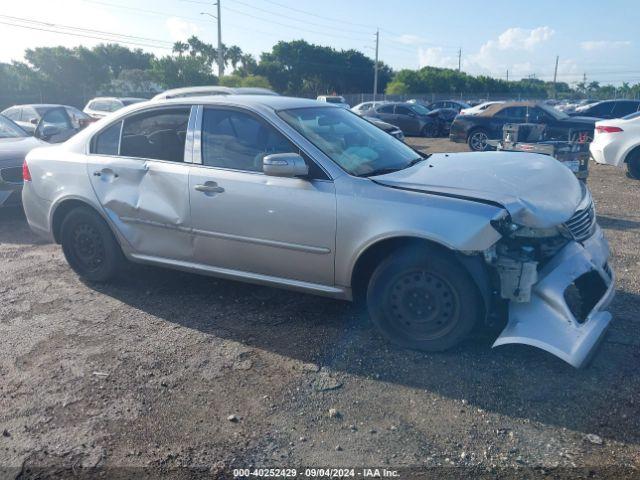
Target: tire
{"points": [[477, 140], [430, 130], [633, 165], [89, 246], [423, 300]]}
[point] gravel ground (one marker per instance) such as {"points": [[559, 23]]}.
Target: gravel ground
{"points": [[187, 376]]}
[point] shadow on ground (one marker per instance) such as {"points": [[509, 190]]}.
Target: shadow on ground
{"points": [[515, 381]]}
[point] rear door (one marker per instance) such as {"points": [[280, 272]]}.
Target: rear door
{"points": [[385, 113], [138, 171], [407, 120], [506, 115], [247, 221]]}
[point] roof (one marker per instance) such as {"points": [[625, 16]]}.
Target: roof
{"points": [[274, 102], [496, 107], [215, 89]]}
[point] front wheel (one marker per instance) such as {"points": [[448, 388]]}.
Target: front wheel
{"points": [[477, 140], [89, 246], [430, 130], [423, 300]]}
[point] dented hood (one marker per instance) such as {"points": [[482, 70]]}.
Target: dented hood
{"points": [[536, 190]]}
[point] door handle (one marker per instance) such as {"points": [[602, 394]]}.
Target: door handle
{"points": [[105, 171], [209, 187]]}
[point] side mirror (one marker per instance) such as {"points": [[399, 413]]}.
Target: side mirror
{"points": [[34, 121], [285, 165]]}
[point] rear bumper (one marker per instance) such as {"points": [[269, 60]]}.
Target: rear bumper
{"points": [[547, 321], [36, 210]]}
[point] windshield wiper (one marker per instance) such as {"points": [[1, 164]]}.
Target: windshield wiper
{"points": [[383, 171]]}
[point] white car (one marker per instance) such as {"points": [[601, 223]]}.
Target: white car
{"points": [[100, 107], [336, 100], [617, 141], [478, 108]]}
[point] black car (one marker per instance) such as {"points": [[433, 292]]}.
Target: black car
{"points": [[412, 119], [609, 109], [456, 105], [476, 130], [387, 127]]}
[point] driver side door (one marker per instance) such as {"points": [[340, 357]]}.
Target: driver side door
{"points": [[247, 223], [55, 126]]}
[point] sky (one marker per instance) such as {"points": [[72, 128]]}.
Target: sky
{"points": [[593, 38]]}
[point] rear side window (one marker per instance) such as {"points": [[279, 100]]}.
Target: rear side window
{"points": [[623, 108], [401, 110], [517, 113], [12, 113], [157, 134], [107, 142]]}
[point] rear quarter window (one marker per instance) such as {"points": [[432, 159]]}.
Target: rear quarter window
{"points": [[107, 142]]}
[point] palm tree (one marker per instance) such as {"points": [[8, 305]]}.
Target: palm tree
{"points": [[233, 55], [180, 48]]}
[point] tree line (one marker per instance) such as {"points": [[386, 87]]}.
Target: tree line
{"points": [[73, 75]]}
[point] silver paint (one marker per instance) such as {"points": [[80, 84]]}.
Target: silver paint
{"points": [[308, 235]]}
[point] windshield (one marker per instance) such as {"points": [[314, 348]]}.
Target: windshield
{"points": [[357, 146], [554, 112], [8, 129]]}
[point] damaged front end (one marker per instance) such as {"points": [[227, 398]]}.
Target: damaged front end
{"points": [[557, 282]]}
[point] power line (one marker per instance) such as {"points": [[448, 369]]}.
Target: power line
{"points": [[79, 29], [127, 42], [332, 19]]}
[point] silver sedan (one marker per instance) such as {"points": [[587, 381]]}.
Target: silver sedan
{"points": [[292, 193]]}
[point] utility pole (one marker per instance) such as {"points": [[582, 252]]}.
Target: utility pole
{"points": [[555, 76], [220, 56], [375, 68], [459, 59], [220, 53], [507, 75]]}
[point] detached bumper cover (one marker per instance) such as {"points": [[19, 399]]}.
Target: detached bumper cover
{"points": [[547, 321]]}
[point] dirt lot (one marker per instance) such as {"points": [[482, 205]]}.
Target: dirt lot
{"points": [[167, 370]]}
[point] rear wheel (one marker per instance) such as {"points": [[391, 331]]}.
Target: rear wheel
{"points": [[89, 245], [477, 140], [423, 300], [633, 165]]}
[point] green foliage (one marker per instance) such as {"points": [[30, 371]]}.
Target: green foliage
{"points": [[74, 75]]}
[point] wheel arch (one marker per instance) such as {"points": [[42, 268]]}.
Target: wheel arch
{"points": [[373, 254], [61, 210], [632, 151]]}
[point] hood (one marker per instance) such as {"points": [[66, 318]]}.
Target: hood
{"points": [[13, 150], [536, 190]]}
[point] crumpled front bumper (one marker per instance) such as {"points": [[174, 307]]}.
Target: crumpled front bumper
{"points": [[547, 321]]}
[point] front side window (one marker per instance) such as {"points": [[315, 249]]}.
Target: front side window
{"points": [[107, 142], [357, 146], [402, 110], [56, 117], [623, 108], [156, 134], [385, 109], [239, 141]]}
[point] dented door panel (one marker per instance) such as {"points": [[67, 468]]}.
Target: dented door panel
{"points": [[147, 201]]}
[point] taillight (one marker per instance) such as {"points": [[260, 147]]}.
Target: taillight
{"points": [[606, 129], [26, 174]]}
